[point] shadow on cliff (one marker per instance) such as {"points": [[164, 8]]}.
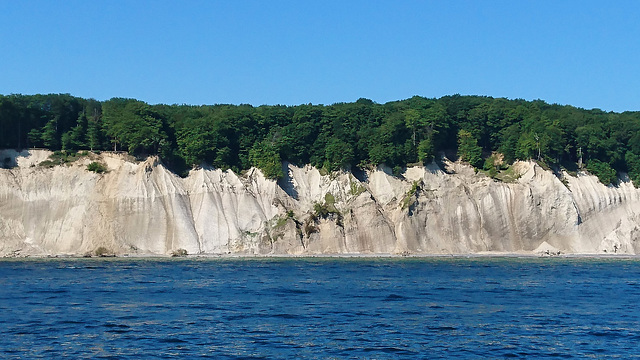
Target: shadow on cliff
{"points": [[8, 157], [286, 182], [360, 174]]}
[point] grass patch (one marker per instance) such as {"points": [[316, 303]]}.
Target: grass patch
{"points": [[355, 188], [281, 221], [61, 157], [48, 164], [543, 165], [510, 175], [329, 199]]}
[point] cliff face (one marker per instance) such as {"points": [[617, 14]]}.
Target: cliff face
{"points": [[141, 208]]}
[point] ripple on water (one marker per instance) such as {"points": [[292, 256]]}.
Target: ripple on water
{"points": [[299, 308]]}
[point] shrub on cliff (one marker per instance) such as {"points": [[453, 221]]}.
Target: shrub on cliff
{"points": [[327, 210], [96, 167]]}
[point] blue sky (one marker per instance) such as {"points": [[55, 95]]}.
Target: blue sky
{"points": [[583, 53]]}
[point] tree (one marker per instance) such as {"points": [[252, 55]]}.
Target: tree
{"points": [[633, 167], [336, 136], [426, 150], [94, 135], [509, 137], [433, 122], [197, 142], [135, 125], [468, 149], [265, 157], [35, 137], [603, 171], [50, 134], [412, 119], [78, 133], [338, 155]]}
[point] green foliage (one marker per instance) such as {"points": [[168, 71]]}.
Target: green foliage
{"points": [[355, 188], [468, 148], [281, 221], [265, 157], [331, 137], [633, 166], [508, 138], [426, 151], [543, 165], [35, 137], [97, 167], [509, 175], [134, 125], [492, 165], [61, 157], [603, 171], [197, 142], [321, 210], [327, 210], [47, 164], [408, 199], [329, 199], [49, 134], [338, 155]]}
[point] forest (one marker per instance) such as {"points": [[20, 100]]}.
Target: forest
{"points": [[489, 133]]}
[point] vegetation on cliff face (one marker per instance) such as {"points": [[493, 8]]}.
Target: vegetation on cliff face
{"points": [[343, 135]]}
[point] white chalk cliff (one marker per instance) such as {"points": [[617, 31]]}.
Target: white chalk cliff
{"points": [[141, 208]]}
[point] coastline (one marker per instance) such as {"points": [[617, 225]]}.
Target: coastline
{"points": [[140, 209], [484, 255]]}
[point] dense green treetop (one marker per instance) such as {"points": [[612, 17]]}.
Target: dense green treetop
{"points": [[360, 134]]}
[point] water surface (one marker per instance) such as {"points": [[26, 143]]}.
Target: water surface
{"points": [[319, 308]]}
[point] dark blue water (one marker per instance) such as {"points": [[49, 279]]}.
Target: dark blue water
{"points": [[319, 308]]}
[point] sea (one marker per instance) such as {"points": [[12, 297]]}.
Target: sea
{"points": [[320, 308]]}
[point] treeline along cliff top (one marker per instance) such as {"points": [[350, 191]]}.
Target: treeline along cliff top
{"points": [[487, 132]]}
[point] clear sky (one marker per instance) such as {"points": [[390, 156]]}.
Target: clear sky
{"points": [[582, 53]]}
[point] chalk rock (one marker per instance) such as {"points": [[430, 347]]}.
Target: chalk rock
{"points": [[141, 208]]}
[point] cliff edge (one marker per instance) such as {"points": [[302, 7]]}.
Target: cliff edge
{"points": [[141, 208]]}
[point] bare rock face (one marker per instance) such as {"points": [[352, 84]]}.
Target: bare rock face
{"points": [[141, 208]]}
